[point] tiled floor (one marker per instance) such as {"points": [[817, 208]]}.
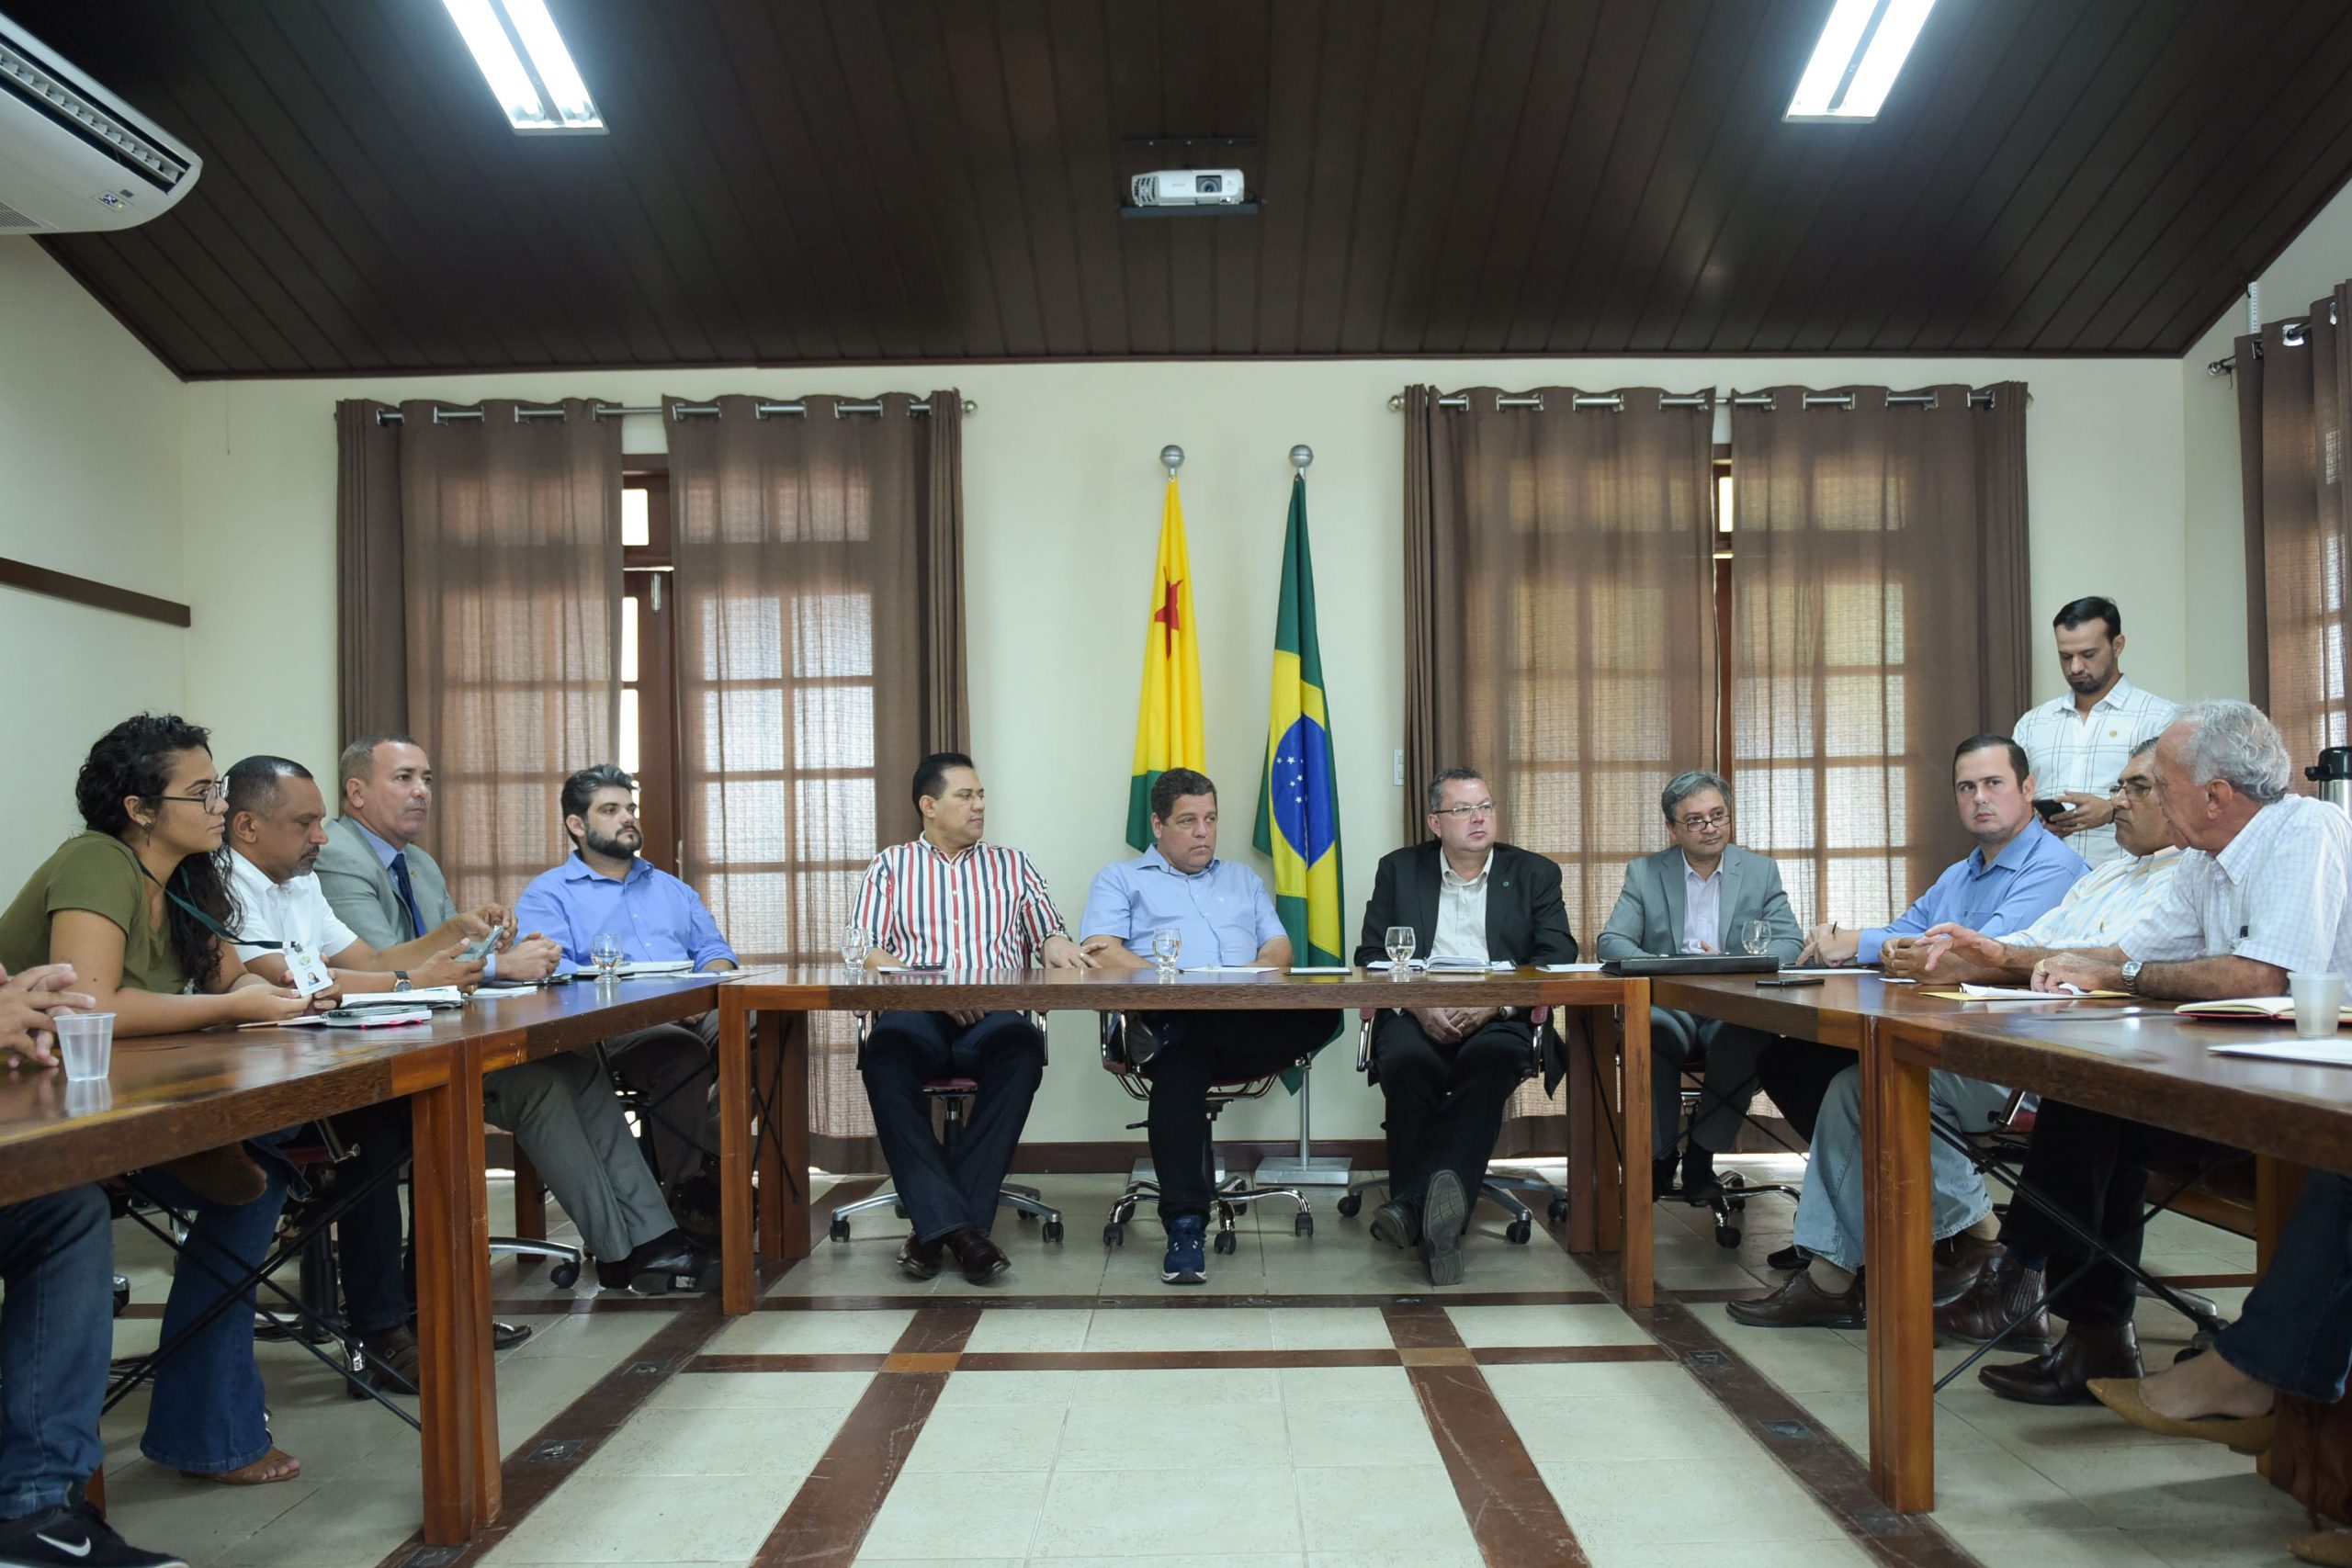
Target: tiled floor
{"points": [[1094, 1417]]}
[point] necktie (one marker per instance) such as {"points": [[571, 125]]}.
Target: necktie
{"points": [[407, 888]]}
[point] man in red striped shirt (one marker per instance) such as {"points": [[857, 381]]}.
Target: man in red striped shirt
{"points": [[945, 900]]}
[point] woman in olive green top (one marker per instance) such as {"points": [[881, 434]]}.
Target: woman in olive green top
{"points": [[137, 905]]}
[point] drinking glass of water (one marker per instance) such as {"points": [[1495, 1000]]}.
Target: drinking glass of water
{"points": [[605, 953], [1166, 943], [1754, 936], [1400, 944], [853, 946]]}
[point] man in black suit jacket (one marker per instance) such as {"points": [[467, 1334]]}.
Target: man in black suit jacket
{"points": [[1449, 1072]]}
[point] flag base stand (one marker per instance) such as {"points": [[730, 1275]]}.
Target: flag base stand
{"points": [[1304, 1169]]}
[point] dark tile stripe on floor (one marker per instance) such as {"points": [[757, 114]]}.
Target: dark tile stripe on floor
{"points": [[1514, 1517], [1833, 1473], [836, 1506]]}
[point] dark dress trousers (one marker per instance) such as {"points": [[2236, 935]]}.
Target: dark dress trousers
{"points": [[1446, 1100]]}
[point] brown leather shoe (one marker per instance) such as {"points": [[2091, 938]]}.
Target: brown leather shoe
{"points": [[979, 1259], [1958, 1261], [2062, 1376], [920, 1260], [398, 1361], [2002, 1293], [1801, 1303]]}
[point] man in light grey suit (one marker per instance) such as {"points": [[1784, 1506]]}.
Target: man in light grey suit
{"points": [[561, 1109], [1697, 897]]}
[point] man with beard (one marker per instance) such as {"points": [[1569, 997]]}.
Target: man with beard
{"points": [[2077, 744], [607, 886]]}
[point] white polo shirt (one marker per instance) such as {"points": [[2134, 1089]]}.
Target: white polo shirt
{"points": [[2279, 892], [283, 912]]}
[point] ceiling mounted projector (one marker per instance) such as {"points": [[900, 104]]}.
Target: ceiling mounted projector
{"points": [[74, 156], [1189, 187]]}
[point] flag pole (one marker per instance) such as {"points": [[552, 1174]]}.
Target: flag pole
{"points": [[1305, 1169]]}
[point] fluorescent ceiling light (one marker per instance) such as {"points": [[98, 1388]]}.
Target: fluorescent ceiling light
{"points": [[545, 95], [1854, 68]]}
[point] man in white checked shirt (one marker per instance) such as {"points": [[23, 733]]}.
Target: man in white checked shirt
{"points": [[2077, 743], [945, 900]]}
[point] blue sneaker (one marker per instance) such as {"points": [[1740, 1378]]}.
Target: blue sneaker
{"points": [[1187, 1262]]}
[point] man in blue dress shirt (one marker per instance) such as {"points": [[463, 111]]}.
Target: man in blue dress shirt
{"points": [[1222, 916], [606, 886]]}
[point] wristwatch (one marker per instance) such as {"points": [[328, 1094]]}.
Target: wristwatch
{"points": [[2131, 976], [401, 981]]}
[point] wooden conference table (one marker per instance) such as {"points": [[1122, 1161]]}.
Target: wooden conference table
{"points": [[763, 1029], [177, 1095], [2135, 1060]]}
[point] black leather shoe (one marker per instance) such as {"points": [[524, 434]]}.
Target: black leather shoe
{"points": [[2062, 1376], [1398, 1223], [919, 1260], [1661, 1178], [656, 1268], [1699, 1176], [1958, 1260], [1444, 1211], [506, 1336], [979, 1259], [2003, 1293], [1801, 1303]]}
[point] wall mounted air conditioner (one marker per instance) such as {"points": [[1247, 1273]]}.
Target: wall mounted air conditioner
{"points": [[72, 154]]}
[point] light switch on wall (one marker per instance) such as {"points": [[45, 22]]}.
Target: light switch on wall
{"points": [[1399, 780]]}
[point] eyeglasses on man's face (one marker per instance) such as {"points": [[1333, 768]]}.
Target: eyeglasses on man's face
{"points": [[1464, 813], [1718, 818], [2136, 787]]}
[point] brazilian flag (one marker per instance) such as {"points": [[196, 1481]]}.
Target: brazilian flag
{"points": [[1298, 797]]}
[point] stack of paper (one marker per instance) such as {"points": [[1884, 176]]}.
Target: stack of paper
{"points": [[2250, 1010]]}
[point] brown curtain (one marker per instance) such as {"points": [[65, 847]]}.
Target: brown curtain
{"points": [[1559, 623], [479, 600], [2294, 396], [371, 598], [820, 657], [1879, 618]]}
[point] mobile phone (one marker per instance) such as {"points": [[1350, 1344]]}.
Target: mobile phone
{"points": [[2050, 808], [1788, 981], [485, 947]]}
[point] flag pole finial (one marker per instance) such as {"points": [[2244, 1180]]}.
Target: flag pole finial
{"points": [[1300, 456], [1171, 458]]}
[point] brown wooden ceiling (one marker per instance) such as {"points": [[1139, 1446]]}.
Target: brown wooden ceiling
{"points": [[878, 180]]}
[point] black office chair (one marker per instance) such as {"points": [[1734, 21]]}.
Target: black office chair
{"points": [[955, 1097], [1727, 1201], [1234, 1192], [1501, 1184]]}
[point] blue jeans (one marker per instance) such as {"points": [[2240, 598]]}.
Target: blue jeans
{"points": [[56, 1331], [1829, 1209], [2295, 1330], [207, 1414]]}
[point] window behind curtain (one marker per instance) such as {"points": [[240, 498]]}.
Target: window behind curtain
{"points": [[1879, 618]]}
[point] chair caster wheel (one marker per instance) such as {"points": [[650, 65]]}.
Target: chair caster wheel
{"points": [[1304, 1224], [563, 1276], [839, 1230], [1350, 1206], [1727, 1237], [1226, 1243], [1113, 1235], [1519, 1230], [1053, 1231], [1558, 1211]]}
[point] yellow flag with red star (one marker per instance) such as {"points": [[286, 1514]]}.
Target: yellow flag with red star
{"points": [[1168, 720]]}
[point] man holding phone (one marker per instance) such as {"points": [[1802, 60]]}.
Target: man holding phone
{"points": [[2077, 744]]}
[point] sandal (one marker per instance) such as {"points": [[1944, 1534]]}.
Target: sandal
{"points": [[275, 1465]]}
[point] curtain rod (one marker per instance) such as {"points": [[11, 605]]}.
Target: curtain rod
{"points": [[2294, 333], [608, 410], [1981, 397]]}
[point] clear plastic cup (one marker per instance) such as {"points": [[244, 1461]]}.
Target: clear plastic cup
{"points": [[86, 1044], [2319, 1000]]}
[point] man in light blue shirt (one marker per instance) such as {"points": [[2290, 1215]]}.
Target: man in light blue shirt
{"points": [[606, 887], [1222, 917]]}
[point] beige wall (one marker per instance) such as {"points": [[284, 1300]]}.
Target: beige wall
{"points": [[2309, 269], [1062, 497], [89, 484]]}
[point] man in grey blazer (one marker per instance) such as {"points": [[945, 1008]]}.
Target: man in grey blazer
{"points": [[1699, 896], [561, 1109]]}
